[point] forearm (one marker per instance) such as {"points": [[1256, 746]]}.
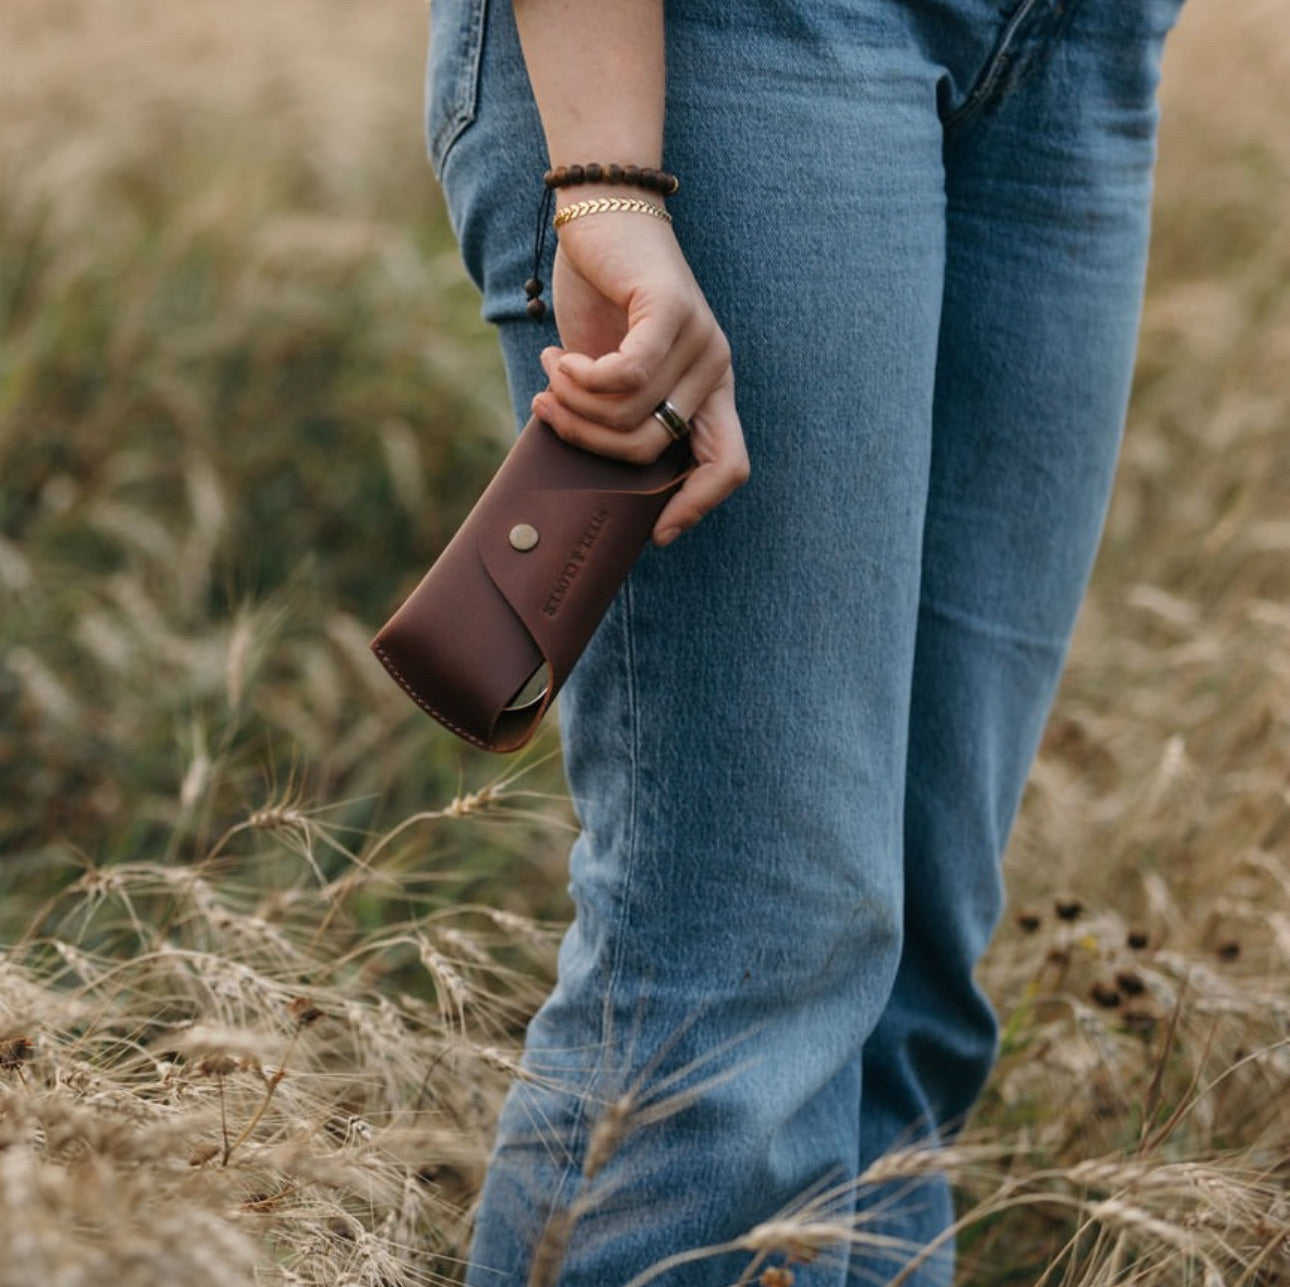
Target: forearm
{"points": [[635, 329], [597, 72]]}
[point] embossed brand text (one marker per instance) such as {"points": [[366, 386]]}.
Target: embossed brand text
{"points": [[576, 562]]}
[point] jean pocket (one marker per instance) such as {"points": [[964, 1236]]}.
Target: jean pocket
{"points": [[452, 74]]}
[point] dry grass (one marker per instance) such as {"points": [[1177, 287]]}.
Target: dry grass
{"points": [[230, 1068], [257, 1006]]}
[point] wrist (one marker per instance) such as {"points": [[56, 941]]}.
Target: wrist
{"points": [[620, 188]]}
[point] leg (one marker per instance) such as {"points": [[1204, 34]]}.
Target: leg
{"points": [[1048, 200], [735, 736]]}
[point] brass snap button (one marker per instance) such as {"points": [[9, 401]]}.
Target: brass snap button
{"points": [[524, 536]]}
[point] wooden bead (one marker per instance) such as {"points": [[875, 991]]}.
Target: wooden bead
{"points": [[647, 177], [533, 287], [536, 309]]}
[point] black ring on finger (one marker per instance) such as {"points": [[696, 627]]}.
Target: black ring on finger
{"points": [[677, 426]]}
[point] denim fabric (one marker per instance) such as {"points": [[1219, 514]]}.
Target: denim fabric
{"points": [[798, 740]]}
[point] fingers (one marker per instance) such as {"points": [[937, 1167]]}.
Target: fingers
{"points": [[623, 427], [692, 367], [630, 367], [637, 332], [717, 442], [640, 445]]}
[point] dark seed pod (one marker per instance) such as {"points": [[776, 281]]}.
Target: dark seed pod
{"points": [[15, 1052], [1105, 994], [1028, 920], [304, 1011]]}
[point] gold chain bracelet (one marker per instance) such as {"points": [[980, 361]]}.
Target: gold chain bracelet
{"points": [[599, 205]]}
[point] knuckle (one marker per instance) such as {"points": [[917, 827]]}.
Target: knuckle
{"points": [[641, 452], [699, 333], [634, 374], [714, 369], [622, 418], [739, 472], [678, 310]]}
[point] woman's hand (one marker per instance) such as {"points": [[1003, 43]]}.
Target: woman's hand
{"points": [[636, 330]]}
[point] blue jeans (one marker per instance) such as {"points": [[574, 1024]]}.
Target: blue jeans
{"points": [[798, 740]]}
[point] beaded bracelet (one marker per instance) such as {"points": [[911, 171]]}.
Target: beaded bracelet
{"points": [[634, 176], [564, 176]]}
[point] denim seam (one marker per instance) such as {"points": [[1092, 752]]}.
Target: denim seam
{"points": [[465, 103], [956, 616], [983, 91], [615, 967], [633, 804]]}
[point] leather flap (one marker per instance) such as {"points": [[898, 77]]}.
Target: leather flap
{"points": [[562, 586], [497, 604], [457, 648]]}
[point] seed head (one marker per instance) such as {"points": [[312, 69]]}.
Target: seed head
{"points": [[15, 1052], [1105, 994], [304, 1012], [1028, 920]]}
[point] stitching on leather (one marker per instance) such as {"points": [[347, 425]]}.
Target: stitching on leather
{"points": [[397, 675]]}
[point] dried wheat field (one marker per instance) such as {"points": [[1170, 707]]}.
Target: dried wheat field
{"points": [[268, 940]]}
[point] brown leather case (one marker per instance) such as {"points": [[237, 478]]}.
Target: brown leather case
{"points": [[498, 606]]}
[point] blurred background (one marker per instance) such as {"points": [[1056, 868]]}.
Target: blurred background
{"points": [[245, 397]]}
